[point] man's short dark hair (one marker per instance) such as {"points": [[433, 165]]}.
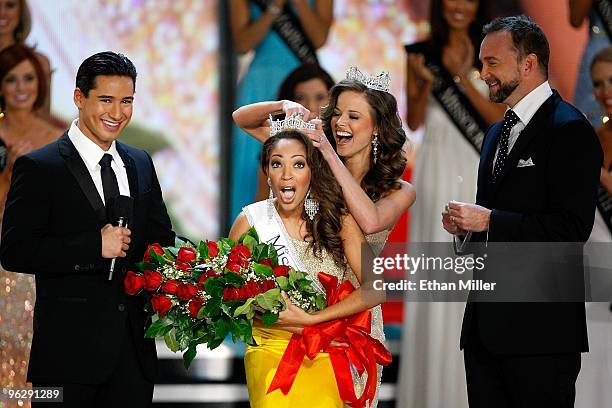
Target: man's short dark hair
{"points": [[103, 63], [527, 37]]}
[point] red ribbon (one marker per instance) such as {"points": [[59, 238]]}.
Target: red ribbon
{"points": [[363, 351]]}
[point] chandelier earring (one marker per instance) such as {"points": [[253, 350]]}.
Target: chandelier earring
{"points": [[311, 206], [270, 201], [375, 147]]}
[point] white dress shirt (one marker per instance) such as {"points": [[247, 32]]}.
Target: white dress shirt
{"points": [[525, 109], [91, 154]]}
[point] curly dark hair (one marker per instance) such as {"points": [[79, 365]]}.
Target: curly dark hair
{"points": [[324, 230], [383, 176]]}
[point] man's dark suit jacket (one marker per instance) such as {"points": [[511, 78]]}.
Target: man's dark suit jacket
{"points": [[552, 201], [51, 228]]}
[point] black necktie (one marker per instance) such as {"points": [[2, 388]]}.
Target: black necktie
{"points": [[109, 183], [510, 119]]}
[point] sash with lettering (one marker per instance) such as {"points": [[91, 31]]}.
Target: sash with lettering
{"points": [[271, 230], [290, 30], [456, 105], [603, 8], [604, 205]]}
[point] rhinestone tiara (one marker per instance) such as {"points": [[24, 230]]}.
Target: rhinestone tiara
{"points": [[293, 122], [380, 82]]}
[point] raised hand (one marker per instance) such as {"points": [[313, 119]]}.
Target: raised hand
{"points": [[115, 241], [319, 139], [420, 77], [292, 108]]}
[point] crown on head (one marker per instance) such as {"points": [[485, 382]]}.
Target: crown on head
{"points": [[380, 82], [293, 122]]}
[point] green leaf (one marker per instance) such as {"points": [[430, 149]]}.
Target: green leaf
{"points": [[189, 355], [222, 327], [293, 277], [157, 258], [269, 318], [212, 308], [269, 299], [320, 302], [141, 266], [214, 343], [171, 341], [234, 279], [171, 252], [243, 330], [303, 284], [158, 328], [249, 242], [203, 250], [245, 308], [282, 282], [225, 245], [214, 287], [263, 270]]}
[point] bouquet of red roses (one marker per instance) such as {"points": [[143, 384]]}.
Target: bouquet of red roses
{"points": [[200, 295]]}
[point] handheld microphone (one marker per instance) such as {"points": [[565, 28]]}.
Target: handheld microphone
{"points": [[122, 209]]}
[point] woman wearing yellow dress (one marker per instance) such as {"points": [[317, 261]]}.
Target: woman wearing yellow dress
{"points": [[308, 223]]}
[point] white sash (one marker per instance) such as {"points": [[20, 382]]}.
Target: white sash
{"points": [[271, 230]]}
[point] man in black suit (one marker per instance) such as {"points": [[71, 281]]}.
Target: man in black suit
{"points": [[88, 335], [537, 182]]}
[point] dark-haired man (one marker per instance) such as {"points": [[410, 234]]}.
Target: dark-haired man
{"points": [[537, 182], [88, 335]]}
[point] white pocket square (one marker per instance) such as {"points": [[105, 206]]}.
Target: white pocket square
{"points": [[525, 163]]}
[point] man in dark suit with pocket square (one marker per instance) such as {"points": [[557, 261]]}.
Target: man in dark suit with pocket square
{"points": [[537, 183], [58, 224]]}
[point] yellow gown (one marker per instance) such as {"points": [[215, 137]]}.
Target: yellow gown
{"points": [[315, 384]]}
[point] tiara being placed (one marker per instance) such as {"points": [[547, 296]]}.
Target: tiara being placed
{"points": [[380, 82], [293, 122]]}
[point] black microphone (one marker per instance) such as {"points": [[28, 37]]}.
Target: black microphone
{"points": [[121, 210]]}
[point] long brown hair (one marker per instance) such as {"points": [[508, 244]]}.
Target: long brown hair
{"points": [[324, 230], [440, 29], [383, 176]]}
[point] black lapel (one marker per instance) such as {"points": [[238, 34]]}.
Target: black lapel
{"points": [[536, 124], [130, 168], [79, 170]]}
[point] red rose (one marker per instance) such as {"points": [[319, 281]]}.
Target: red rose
{"points": [[170, 286], [152, 280], [241, 250], [156, 248], [238, 260], [195, 305], [186, 255], [232, 267], [281, 270], [213, 249], [205, 276], [133, 283], [230, 294], [161, 304], [267, 262], [182, 266], [186, 291]]}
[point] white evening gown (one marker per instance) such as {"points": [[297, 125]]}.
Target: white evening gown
{"points": [[594, 385], [431, 365]]}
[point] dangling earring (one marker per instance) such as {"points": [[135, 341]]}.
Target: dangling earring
{"points": [[270, 201], [271, 193], [311, 206], [375, 147]]}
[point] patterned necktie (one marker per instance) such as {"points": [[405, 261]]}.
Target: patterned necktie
{"points": [[110, 186], [510, 119]]}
